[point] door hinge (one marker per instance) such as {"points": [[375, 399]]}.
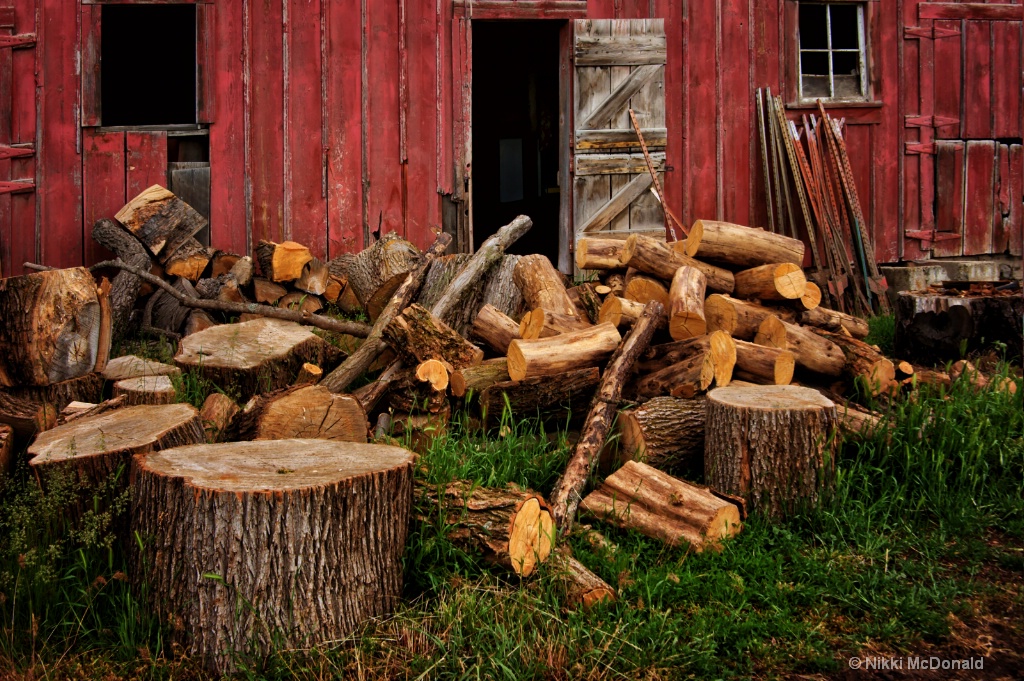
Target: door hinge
{"points": [[931, 235], [926, 148], [20, 40], [17, 186], [930, 121], [930, 32]]}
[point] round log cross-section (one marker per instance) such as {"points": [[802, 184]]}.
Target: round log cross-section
{"points": [[770, 445], [245, 544]]}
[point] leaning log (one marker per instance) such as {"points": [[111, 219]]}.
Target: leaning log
{"points": [[647, 254], [542, 286], [124, 289]]}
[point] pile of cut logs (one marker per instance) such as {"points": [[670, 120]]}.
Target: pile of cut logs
{"points": [[626, 358]]}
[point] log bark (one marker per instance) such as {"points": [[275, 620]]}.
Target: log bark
{"points": [[810, 350], [771, 445], [314, 277], [934, 329], [197, 321], [6, 451], [160, 220], [739, 318], [567, 492], [479, 377], [257, 356], [501, 291], [541, 323], [587, 302], [303, 539], [309, 374], [685, 378], [649, 255], [510, 526], [666, 433], [686, 304], [216, 415], [583, 589], [784, 281], [282, 262], [165, 310], [416, 335], [718, 344], [131, 366], [388, 259], [741, 246], [542, 286], [124, 290], [873, 371], [642, 498], [557, 354], [32, 409], [495, 329], [763, 364], [309, 411], [304, 303], [189, 260], [599, 254], [146, 390], [97, 446], [221, 262], [616, 281], [643, 290], [51, 328], [560, 393]]}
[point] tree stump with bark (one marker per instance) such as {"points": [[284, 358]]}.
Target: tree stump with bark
{"points": [[32, 409], [666, 433], [771, 445], [146, 390], [310, 412], [292, 542]]}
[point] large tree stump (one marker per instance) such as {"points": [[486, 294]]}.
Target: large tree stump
{"points": [[771, 445], [96, 446], [52, 327], [292, 542], [665, 432], [257, 356], [310, 411], [32, 409]]}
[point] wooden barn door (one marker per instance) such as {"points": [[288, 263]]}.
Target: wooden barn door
{"points": [[620, 65], [971, 122]]}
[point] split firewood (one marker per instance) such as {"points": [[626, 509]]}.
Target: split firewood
{"points": [[664, 432], [739, 318], [146, 390], [568, 489], [309, 411], [864, 364], [433, 372], [546, 356], [197, 321], [811, 350], [742, 246], [830, 320], [225, 288], [686, 304], [542, 285], [267, 291], [52, 327], [811, 298], [337, 509], [769, 445], [510, 526], [335, 286], [305, 303], [642, 289], [384, 264], [685, 378], [32, 409], [541, 323], [495, 329], [718, 344], [97, 446], [131, 366], [639, 497], [105, 335], [647, 254], [6, 450], [416, 335], [784, 281], [189, 260], [217, 414], [308, 374], [160, 220], [567, 391], [478, 377], [587, 302], [314, 277], [283, 261], [621, 312], [763, 364], [221, 262], [599, 254], [616, 281], [256, 356], [124, 290], [582, 587]]}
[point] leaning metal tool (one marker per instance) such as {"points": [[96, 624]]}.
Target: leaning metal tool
{"points": [[670, 233], [759, 100]]}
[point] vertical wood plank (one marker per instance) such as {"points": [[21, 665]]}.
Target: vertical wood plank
{"points": [[593, 84], [267, 104], [103, 161], [566, 242], [736, 112], [423, 213], [703, 73], [1008, 113], [980, 197], [884, 210], [911, 97], [645, 212], [6, 99], [675, 96], [948, 82], [383, 172], [207, 44], [145, 161], [22, 241], [1012, 221], [461, 143], [91, 94], [616, 74], [977, 85], [949, 209]]}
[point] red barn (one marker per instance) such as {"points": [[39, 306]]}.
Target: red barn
{"points": [[322, 121]]}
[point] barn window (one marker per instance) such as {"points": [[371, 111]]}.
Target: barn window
{"points": [[832, 51]]}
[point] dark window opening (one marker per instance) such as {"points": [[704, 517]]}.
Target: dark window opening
{"points": [[148, 64], [515, 131], [833, 57]]}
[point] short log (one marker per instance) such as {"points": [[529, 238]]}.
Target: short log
{"points": [[282, 262], [642, 290], [542, 286], [784, 281], [146, 390], [810, 349], [495, 329], [666, 433], [741, 246], [686, 304], [310, 412], [763, 364], [568, 392], [557, 354], [739, 318], [541, 323], [478, 377], [217, 413], [831, 320], [583, 589], [160, 220], [599, 254]]}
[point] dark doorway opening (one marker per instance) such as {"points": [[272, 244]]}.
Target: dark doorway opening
{"points": [[148, 64], [515, 131]]}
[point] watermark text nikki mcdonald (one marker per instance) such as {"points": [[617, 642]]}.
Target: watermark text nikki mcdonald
{"points": [[916, 662]]}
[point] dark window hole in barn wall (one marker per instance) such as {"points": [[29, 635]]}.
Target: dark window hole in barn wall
{"points": [[148, 64], [515, 131]]}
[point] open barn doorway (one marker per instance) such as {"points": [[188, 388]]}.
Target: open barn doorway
{"points": [[515, 131]]}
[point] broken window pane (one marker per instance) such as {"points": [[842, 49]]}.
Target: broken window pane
{"points": [[832, 50]]}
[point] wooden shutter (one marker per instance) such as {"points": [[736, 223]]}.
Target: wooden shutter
{"points": [[619, 64]]}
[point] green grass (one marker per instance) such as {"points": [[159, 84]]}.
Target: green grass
{"points": [[925, 527]]}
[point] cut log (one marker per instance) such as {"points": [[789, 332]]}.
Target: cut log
{"points": [[309, 534], [131, 366], [314, 278], [587, 302], [770, 445], [665, 432], [6, 451], [568, 489], [739, 318], [599, 254], [267, 291], [283, 261], [718, 343], [643, 290], [217, 414], [583, 589], [306, 303], [772, 333], [418, 431], [602, 291], [763, 364], [686, 304], [97, 446], [146, 390], [741, 246], [811, 298], [125, 289], [165, 311], [257, 356], [309, 374], [541, 323], [616, 281], [559, 394], [434, 372], [557, 354], [691, 244], [639, 497], [621, 312], [243, 271], [309, 411], [647, 254], [685, 378], [830, 320], [32, 409], [160, 220], [478, 377], [221, 262], [511, 527], [542, 286], [930, 377], [495, 329], [810, 349], [784, 281], [335, 287], [416, 335], [501, 291], [857, 423], [865, 365], [188, 261], [197, 321], [385, 263], [51, 327]]}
